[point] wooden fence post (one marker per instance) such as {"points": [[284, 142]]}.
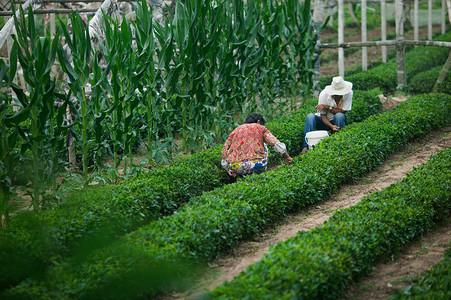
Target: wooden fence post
{"points": [[443, 16], [400, 51], [341, 26], [429, 19], [384, 29], [415, 20], [364, 49], [318, 19]]}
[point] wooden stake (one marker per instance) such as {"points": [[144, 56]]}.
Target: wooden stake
{"points": [[364, 50], [400, 49], [384, 30], [415, 20], [429, 19], [341, 28]]}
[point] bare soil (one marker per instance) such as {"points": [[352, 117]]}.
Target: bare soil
{"points": [[398, 273]]}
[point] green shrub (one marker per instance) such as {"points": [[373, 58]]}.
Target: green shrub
{"points": [[216, 221], [424, 82], [368, 103], [94, 216], [321, 263], [24, 253]]}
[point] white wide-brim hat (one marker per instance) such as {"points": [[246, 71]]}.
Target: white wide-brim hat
{"points": [[338, 86]]}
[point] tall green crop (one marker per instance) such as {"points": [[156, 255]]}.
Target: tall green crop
{"points": [[77, 69], [190, 78], [8, 135], [43, 135]]}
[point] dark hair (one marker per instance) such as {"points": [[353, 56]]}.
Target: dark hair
{"points": [[253, 118]]}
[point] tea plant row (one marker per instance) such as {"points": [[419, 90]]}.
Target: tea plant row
{"points": [[424, 82], [216, 221], [103, 212], [323, 262]]}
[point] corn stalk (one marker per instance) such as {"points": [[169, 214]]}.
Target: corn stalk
{"points": [[78, 73], [187, 77], [42, 137], [8, 135]]}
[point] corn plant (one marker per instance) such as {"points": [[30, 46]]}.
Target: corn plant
{"points": [[77, 69], [150, 72], [42, 138], [188, 77], [213, 57], [8, 135], [100, 111]]}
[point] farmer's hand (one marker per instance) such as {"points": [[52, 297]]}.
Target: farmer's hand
{"points": [[321, 107], [335, 128], [288, 158], [230, 173]]}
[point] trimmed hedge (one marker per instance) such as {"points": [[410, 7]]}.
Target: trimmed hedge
{"points": [[101, 213], [216, 221], [321, 263], [94, 216], [418, 60], [424, 82], [435, 284]]}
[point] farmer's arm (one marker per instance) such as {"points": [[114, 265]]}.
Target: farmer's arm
{"points": [[337, 110], [279, 147], [347, 104], [328, 123], [322, 102]]}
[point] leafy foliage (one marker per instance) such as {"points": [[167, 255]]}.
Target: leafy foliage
{"points": [[425, 81], [103, 212], [321, 263], [217, 220]]}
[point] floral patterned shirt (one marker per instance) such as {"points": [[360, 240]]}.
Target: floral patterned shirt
{"points": [[246, 142]]}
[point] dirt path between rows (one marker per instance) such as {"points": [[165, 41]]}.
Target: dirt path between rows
{"points": [[419, 257]]}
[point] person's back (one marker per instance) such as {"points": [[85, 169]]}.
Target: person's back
{"points": [[245, 150], [246, 142]]}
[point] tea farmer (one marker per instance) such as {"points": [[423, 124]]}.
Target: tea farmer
{"points": [[245, 151], [333, 103]]}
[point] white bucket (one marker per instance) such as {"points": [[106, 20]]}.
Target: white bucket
{"points": [[313, 137]]}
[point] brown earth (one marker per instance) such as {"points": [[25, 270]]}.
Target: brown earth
{"points": [[418, 257]]}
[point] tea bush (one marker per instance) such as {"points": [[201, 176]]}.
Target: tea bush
{"points": [[94, 216], [424, 82], [321, 263], [216, 221]]}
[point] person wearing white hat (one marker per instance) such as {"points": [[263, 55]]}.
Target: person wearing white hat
{"points": [[333, 103]]}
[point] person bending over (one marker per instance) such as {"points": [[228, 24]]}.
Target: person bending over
{"points": [[245, 151]]}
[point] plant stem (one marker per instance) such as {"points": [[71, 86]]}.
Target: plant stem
{"points": [[184, 133], [84, 134], [150, 125], [36, 157]]}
